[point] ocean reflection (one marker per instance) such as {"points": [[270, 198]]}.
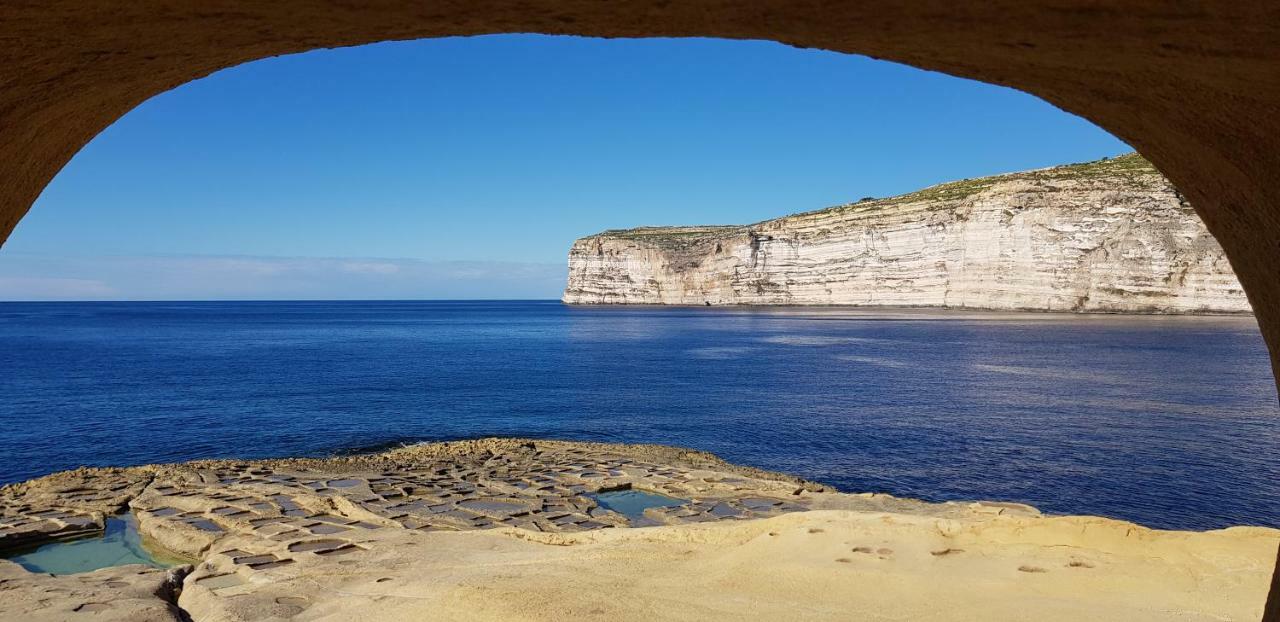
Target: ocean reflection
{"points": [[1167, 421]]}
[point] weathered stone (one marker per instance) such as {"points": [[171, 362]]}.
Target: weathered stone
{"points": [[121, 594], [276, 565]]}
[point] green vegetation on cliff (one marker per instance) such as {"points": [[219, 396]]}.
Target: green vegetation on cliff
{"points": [[1130, 168], [675, 238]]}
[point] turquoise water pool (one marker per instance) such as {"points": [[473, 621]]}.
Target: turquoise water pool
{"points": [[632, 503], [120, 544]]}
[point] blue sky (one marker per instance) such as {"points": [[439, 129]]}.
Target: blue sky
{"points": [[465, 167]]}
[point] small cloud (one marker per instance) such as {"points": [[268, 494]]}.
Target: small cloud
{"points": [[370, 267], [206, 277], [38, 288]]}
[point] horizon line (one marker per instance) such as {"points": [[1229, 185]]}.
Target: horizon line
{"points": [[291, 300]]}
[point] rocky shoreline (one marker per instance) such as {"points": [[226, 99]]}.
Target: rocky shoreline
{"points": [[323, 538]]}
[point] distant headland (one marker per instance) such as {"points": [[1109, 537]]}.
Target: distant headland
{"points": [[1109, 236]]}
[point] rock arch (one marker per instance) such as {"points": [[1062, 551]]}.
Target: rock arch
{"points": [[1193, 86]]}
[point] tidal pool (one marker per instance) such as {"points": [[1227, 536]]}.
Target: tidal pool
{"points": [[632, 503], [119, 544]]}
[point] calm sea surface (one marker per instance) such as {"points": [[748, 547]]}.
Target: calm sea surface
{"points": [[1170, 422]]}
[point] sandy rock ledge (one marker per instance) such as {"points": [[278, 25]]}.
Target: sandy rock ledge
{"points": [[508, 529]]}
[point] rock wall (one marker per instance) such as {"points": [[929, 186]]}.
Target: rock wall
{"points": [[1106, 236]]}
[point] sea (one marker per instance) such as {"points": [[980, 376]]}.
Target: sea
{"points": [[1167, 421]]}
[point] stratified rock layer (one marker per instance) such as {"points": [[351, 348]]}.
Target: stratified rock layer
{"points": [[1107, 236]]}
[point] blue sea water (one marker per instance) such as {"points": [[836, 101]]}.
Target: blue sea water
{"points": [[1167, 421]]}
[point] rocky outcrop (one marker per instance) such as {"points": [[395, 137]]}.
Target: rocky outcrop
{"points": [[1106, 236], [133, 593], [503, 529]]}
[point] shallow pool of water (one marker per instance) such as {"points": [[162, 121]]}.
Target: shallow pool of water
{"points": [[632, 503], [120, 544]]}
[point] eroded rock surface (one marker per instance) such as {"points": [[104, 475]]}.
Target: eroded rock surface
{"points": [[122, 594], [65, 505], [1107, 236], [506, 529]]}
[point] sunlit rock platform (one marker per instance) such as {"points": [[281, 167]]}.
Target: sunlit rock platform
{"points": [[509, 529]]}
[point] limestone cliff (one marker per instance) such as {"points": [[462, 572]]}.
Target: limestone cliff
{"points": [[1106, 236]]}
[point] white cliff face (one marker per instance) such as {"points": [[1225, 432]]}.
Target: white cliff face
{"points": [[1109, 236]]}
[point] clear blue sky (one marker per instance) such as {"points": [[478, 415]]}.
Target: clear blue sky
{"points": [[465, 167]]}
